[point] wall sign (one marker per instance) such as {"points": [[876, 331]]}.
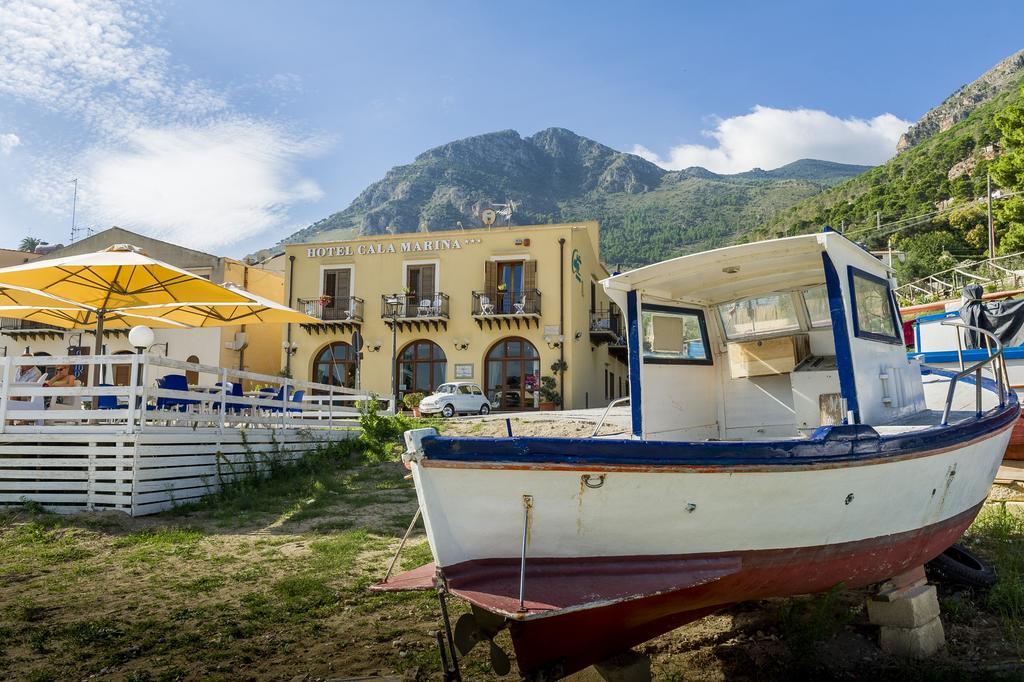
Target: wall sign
{"points": [[577, 263], [464, 371], [370, 249]]}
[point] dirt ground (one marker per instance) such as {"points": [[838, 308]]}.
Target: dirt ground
{"points": [[273, 586]]}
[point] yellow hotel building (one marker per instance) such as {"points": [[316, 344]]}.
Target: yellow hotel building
{"points": [[499, 306]]}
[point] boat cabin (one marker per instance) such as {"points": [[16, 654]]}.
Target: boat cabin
{"points": [[764, 341]]}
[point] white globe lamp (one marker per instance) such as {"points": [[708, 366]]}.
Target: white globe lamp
{"points": [[141, 337]]}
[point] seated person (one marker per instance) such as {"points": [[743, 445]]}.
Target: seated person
{"points": [[63, 378], [28, 374]]}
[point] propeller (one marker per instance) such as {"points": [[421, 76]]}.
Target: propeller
{"points": [[482, 626]]}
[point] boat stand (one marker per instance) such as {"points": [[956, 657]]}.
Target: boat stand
{"points": [[445, 643]]}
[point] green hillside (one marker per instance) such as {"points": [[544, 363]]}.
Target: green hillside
{"points": [[940, 178]]}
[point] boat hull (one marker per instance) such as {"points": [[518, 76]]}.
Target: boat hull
{"points": [[570, 641]]}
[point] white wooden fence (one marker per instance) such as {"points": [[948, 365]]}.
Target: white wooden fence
{"points": [[68, 450]]}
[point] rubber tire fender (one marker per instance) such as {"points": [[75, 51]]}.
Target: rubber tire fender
{"points": [[960, 565]]}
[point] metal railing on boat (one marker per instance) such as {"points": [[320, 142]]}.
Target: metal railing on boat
{"points": [[995, 360], [604, 415]]}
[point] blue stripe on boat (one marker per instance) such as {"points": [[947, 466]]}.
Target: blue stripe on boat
{"points": [[633, 331], [841, 335]]}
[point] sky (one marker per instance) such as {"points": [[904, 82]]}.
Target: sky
{"points": [[227, 125]]}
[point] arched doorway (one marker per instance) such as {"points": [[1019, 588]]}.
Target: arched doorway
{"points": [[192, 375], [335, 365], [512, 374], [422, 366], [123, 372]]}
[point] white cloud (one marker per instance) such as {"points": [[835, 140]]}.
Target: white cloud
{"points": [[159, 151], [87, 57], [202, 187], [8, 141], [768, 138]]}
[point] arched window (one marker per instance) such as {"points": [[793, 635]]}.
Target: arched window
{"points": [[512, 374], [191, 375], [421, 367], [335, 365]]}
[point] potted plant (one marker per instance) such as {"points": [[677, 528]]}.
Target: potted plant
{"points": [[550, 397], [559, 366], [412, 401], [325, 300]]}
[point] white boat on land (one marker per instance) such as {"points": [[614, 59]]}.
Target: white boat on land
{"points": [[782, 443]]}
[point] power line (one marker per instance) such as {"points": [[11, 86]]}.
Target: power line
{"points": [[920, 219]]}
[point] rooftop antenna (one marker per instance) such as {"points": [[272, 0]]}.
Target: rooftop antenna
{"points": [[506, 210]]}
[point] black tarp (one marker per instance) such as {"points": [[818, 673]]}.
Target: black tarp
{"points": [[1005, 319]]}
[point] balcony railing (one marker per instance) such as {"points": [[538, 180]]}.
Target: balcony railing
{"points": [[331, 309], [14, 323], [606, 325], [516, 303], [414, 306]]}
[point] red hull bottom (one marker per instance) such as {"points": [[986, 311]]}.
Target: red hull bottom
{"points": [[562, 643]]}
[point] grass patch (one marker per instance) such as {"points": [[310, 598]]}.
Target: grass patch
{"points": [[160, 538], [414, 556], [804, 621], [999, 533]]}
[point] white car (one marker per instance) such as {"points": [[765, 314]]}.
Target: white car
{"points": [[454, 398]]}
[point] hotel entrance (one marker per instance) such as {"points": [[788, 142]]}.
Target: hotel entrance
{"points": [[512, 375]]}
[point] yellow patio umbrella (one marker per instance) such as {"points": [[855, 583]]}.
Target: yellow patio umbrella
{"points": [[256, 310], [108, 281], [59, 314]]}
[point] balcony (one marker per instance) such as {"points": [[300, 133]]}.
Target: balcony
{"points": [[338, 314], [13, 326], [413, 310], [606, 326], [506, 307]]}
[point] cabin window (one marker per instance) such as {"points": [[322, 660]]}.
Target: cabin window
{"points": [[674, 336], [874, 317], [768, 314], [816, 301]]}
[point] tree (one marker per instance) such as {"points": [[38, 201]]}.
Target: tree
{"points": [[29, 244], [1008, 173]]}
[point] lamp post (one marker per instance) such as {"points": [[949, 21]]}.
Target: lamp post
{"points": [[142, 337], [392, 311]]}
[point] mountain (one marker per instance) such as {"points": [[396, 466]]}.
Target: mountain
{"points": [[939, 175], [965, 100], [646, 212]]}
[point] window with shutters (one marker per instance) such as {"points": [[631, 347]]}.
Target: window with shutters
{"points": [[337, 293], [420, 279]]}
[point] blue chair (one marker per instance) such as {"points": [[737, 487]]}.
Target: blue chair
{"points": [[234, 390], [107, 402], [297, 399], [278, 395], [173, 382]]}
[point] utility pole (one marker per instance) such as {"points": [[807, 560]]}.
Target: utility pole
{"points": [[991, 231], [842, 226], [74, 206]]}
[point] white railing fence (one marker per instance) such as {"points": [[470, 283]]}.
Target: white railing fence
{"points": [[28, 406], [140, 448]]}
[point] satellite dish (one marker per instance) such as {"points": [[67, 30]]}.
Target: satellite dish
{"points": [[488, 216]]}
